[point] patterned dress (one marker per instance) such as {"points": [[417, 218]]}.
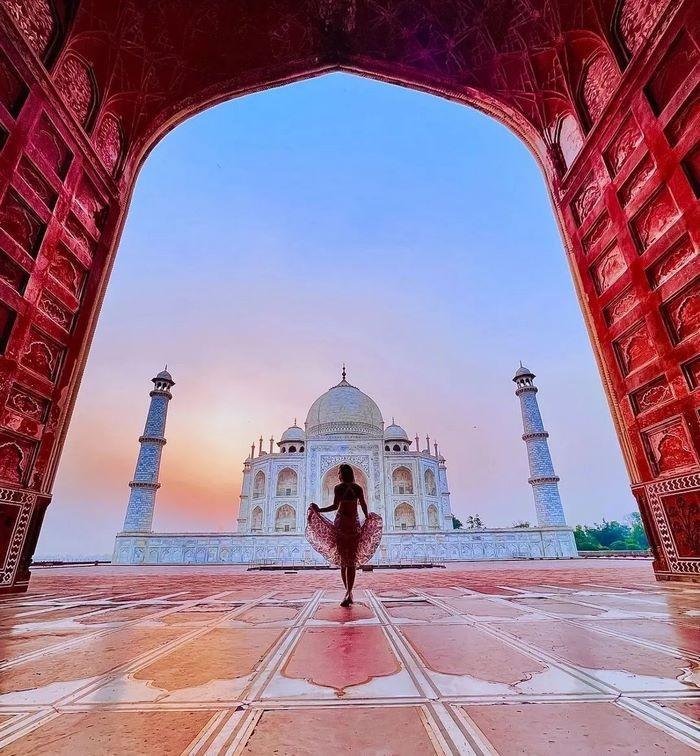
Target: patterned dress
{"points": [[345, 542]]}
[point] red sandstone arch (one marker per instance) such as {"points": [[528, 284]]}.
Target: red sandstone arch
{"points": [[626, 202]]}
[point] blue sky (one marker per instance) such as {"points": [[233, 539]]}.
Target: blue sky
{"points": [[337, 219]]}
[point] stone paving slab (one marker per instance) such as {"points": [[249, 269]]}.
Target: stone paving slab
{"points": [[518, 658]]}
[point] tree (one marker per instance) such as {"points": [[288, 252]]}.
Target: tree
{"points": [[637, 538], [474, 522], [456, 523], [584, 540], [609, 532], [521, 524]]}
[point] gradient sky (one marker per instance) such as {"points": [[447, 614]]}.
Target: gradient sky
{"points": [[275, 236]]}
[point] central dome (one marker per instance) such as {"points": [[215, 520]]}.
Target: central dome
{"points": [[344, 409]]}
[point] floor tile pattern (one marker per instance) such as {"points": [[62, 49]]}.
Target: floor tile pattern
{"points": [[523, 658]]}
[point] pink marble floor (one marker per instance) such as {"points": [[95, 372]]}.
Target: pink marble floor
{"points": [[517, 658]]}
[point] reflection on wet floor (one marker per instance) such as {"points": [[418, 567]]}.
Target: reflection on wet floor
{"points": [[545, 659]]}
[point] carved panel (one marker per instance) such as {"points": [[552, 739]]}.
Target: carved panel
{"points": [[654, 218], [585, 198], [636, 19], [634, 349], [109, 142], [50, 144], [691, 370], [80, 236], [623, 144], [33, 177], [19, 221], [673, 70], [74, 80], [27, 403], [42, 354], [638, 178], [12, 89], [681, 492], [12, 273], [90, 202], [570, 139], [600, 79], [68, 271], [683, 312], [651, 395], [683, 120], [7, 320], [608, 268], [671, 262], [35, 20], [683, 515], [593, 238], [619, 307], [55, 311], [668, 447], [16, 457]]}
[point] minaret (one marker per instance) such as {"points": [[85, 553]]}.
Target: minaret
{"points": [[542, 477], [139, 512]]}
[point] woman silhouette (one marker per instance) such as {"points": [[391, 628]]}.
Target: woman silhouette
{"points": [[345, 542]]}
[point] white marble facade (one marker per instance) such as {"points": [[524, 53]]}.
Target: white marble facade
{"points": [[404, 483]]}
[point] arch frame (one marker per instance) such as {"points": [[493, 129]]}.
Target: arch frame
{"points": [[666, 497]]}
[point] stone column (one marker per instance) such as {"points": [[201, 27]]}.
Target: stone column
{"points": [[543, 480], [139, 512]]}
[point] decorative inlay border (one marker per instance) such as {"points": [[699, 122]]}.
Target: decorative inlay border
{"points": [[655, 492]]}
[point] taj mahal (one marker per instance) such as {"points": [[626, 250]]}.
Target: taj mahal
{"points": [[405, 482]]}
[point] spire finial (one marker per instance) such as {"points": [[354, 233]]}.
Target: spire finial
{"points": [[344, 373], [392, 420], [295, 422]]}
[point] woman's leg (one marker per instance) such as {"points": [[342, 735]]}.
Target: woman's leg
{"points": [[344, 576], [350, 576]]}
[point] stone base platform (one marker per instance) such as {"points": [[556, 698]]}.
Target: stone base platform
{"points": [[533, 658], [292, 548]]}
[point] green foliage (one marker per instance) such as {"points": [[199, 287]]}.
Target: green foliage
{"points": [[613, 535], [456, 523]]}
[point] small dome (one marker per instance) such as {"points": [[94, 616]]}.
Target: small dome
{"points": [[164, 375], [395, 432], [293, 433], [522, 371]]}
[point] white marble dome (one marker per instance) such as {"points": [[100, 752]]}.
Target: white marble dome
{"points": [[293, 433], [395, 432], [344, 409]]}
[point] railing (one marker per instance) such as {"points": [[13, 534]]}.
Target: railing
{"points": [[625, 554]]}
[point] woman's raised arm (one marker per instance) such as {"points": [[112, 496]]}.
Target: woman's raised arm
{"points": [[361, 497]]}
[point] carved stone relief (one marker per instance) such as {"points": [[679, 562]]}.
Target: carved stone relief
{"points": [[635, 349], [654, 218], [651, 395], [670, 263], [623, 144], [608, 268], [669, 448], [683, 312], [20, 222]]}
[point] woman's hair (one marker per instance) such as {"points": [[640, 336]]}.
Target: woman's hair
{"points": [[346, 474]]}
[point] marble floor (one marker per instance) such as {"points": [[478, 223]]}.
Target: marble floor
{"points": [[585, 657]]}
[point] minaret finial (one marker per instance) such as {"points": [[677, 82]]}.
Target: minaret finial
{"points": [[295, 421], [344, 373]]}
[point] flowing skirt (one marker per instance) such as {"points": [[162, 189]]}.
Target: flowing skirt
{"points": [[344, 542]]}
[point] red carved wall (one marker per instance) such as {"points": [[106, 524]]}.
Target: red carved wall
{"points": [[605, 93]]}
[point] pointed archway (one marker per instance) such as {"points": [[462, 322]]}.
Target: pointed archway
{"points": [[604, 95]]}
